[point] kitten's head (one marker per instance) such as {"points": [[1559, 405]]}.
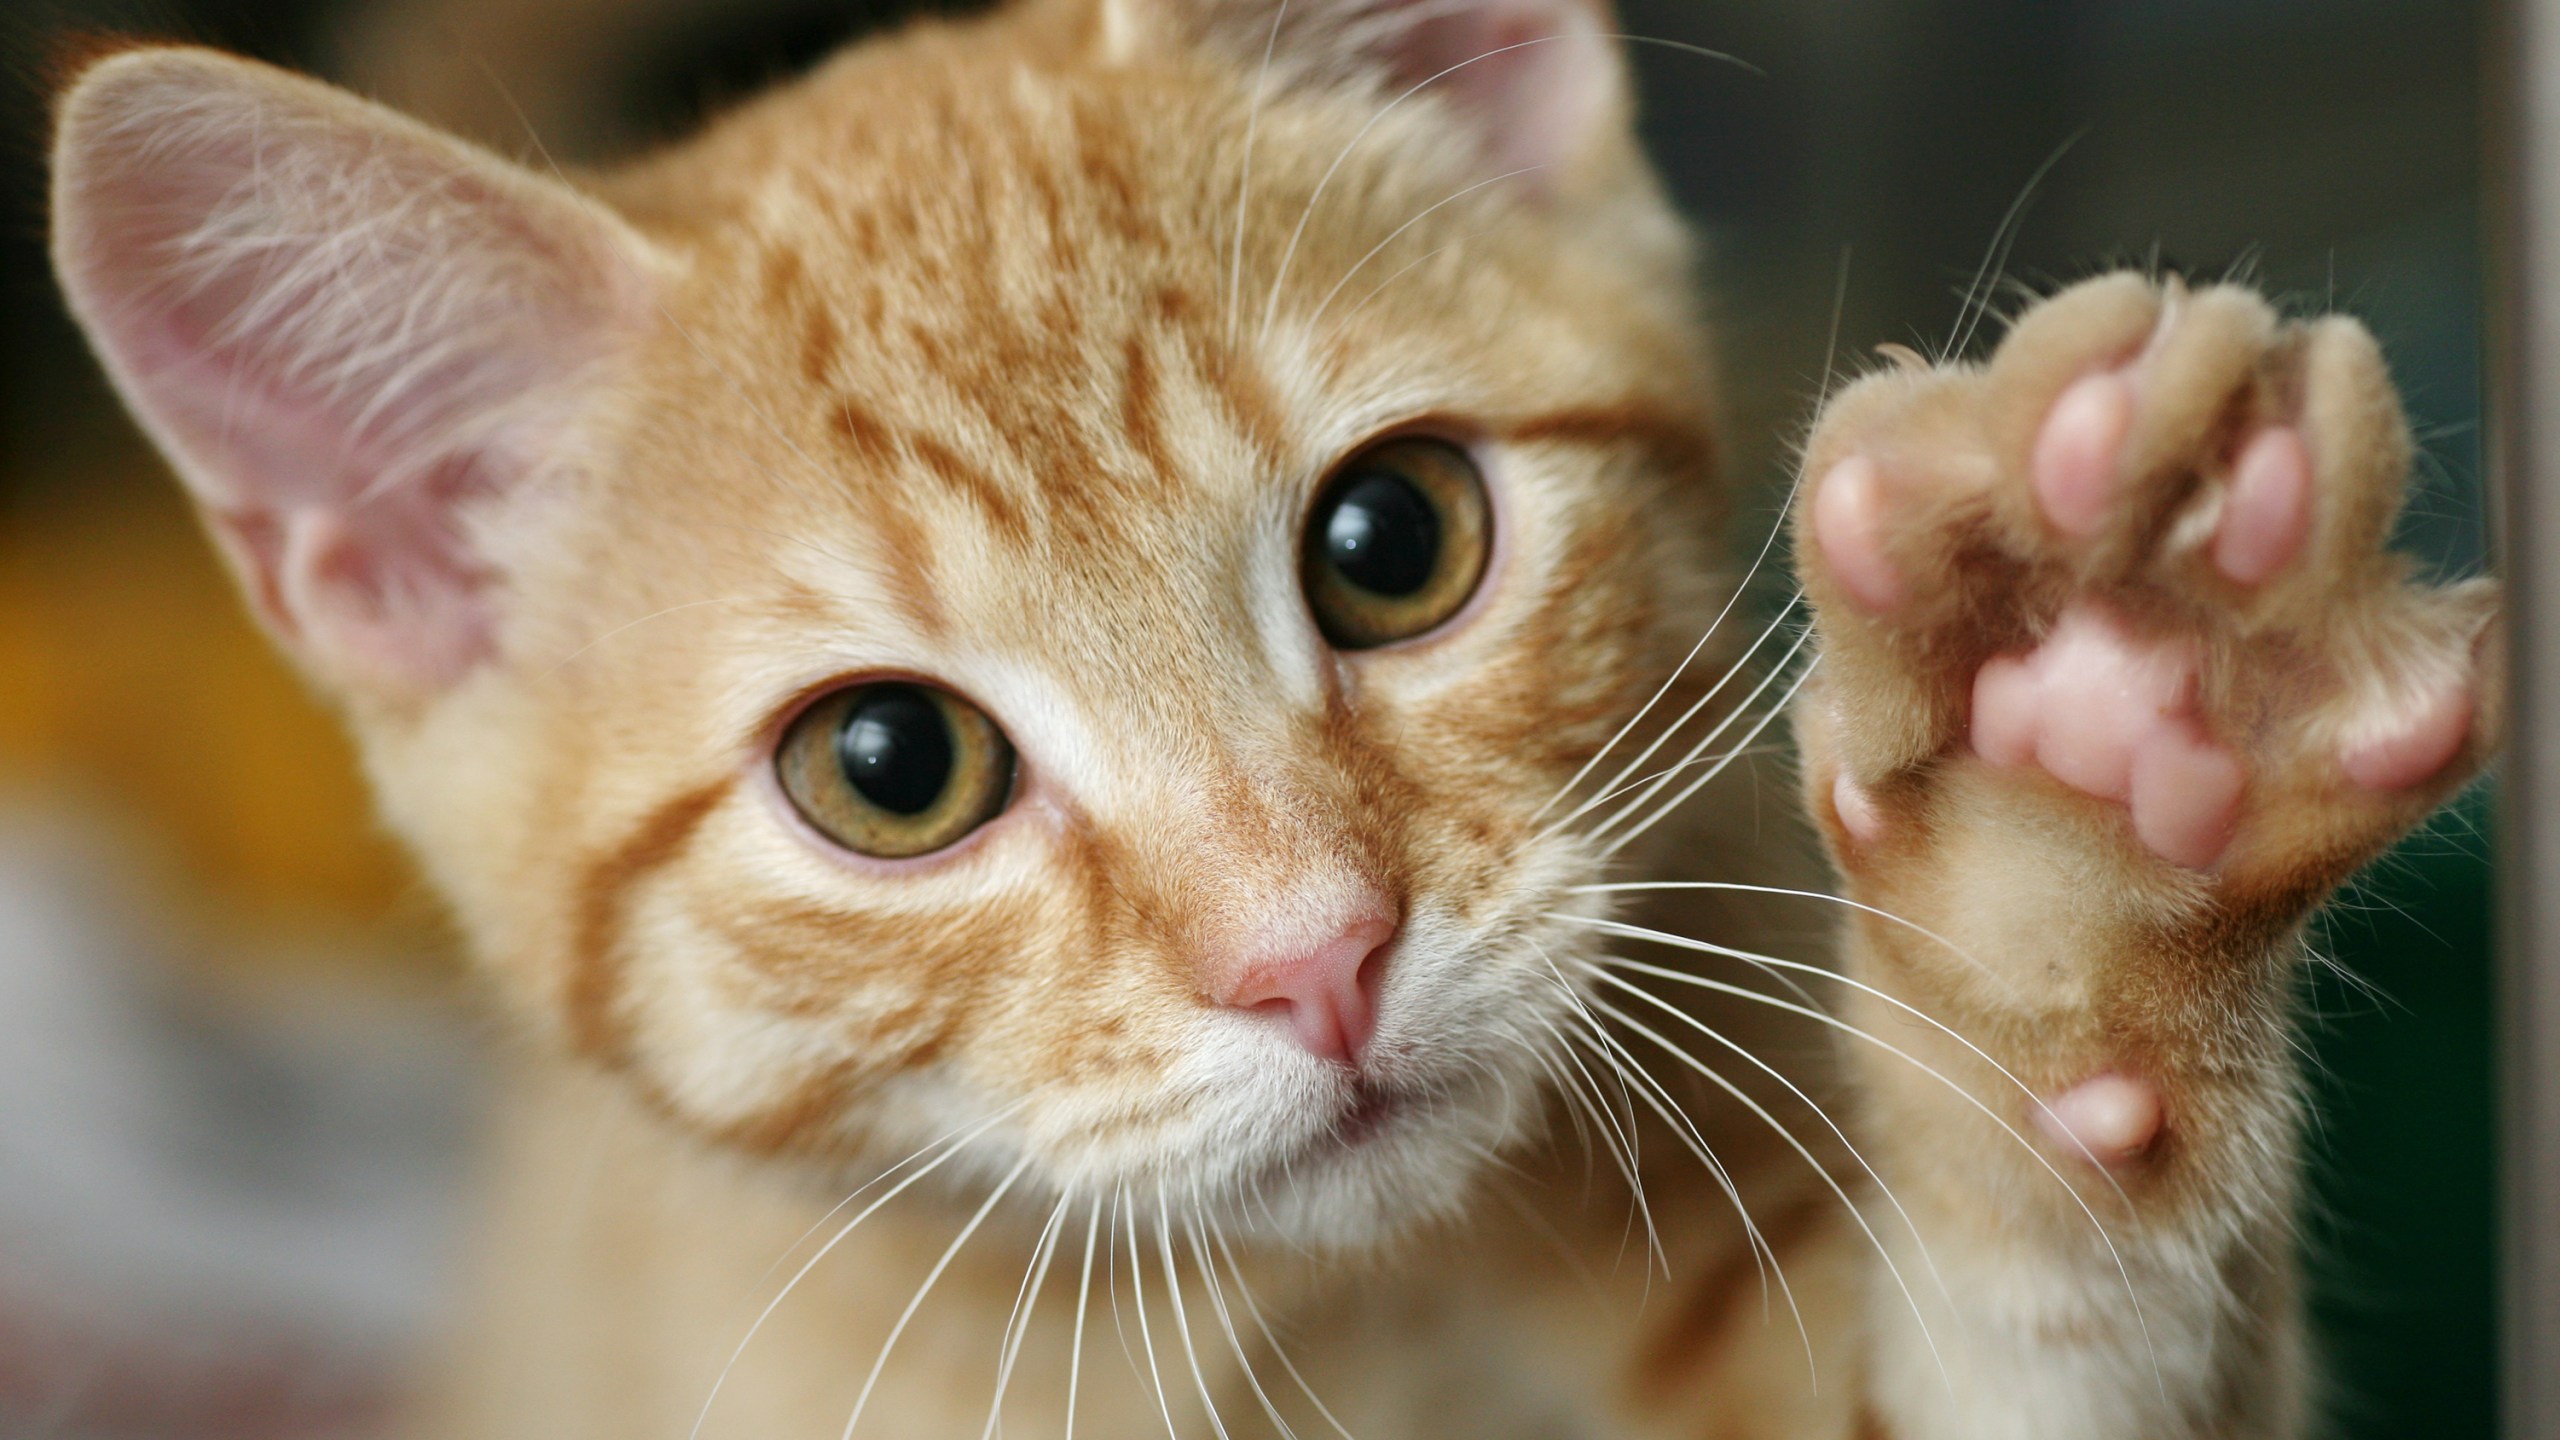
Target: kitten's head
{"points": [[1037, 583]]}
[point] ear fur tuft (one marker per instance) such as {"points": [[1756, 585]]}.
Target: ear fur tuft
{"points": [[1535, 82]]}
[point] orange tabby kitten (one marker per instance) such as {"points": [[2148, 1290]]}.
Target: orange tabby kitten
{"points": [[1073, 613]]}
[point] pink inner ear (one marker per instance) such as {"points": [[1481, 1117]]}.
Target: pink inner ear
{"points": [[1535, 77], [393, 581], [345, 331]]}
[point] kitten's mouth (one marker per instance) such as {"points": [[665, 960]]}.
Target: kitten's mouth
{"points": [[1372, 1109], [1365, 1120], [1384, 1151]]}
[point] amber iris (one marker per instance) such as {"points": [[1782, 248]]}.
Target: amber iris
{"points": [[895, 769], [1397, 543]]}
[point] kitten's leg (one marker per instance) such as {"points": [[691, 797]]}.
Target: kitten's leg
{"points": [[2117, 683]]}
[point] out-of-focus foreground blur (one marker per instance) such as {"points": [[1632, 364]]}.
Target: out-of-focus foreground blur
{"points": [[238, 1068]]}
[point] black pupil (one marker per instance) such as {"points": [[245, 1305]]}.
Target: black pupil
{"points": [[1383, 536], [896, 749]]}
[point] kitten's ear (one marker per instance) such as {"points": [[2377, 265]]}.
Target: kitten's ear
{"points": [[345, 330], [1536, 82]]}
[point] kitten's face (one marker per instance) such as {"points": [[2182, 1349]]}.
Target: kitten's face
{"points": [[954, 380]]}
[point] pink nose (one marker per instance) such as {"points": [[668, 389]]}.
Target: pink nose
{"points": [[1327, 991]]}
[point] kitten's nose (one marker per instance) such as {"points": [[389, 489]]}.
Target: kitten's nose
{"points": [[1321, 979]]}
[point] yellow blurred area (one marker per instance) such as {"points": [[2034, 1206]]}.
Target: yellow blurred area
{"points": [[137, 681]]}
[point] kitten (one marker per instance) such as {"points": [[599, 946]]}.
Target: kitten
{"points": [[1073, 613]]}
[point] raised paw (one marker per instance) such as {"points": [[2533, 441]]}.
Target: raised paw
{"points": [[2138, 558]]}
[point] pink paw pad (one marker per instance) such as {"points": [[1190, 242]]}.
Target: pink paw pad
{"points": [[2267, 516], [2113, 715], [1856, 809], [1848, 523], [2186, 794], [2416, 743], [2073, 468], [2111, 1118]]}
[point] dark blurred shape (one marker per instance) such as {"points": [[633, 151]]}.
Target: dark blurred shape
{"points": [[708, 62], [589, 81]]}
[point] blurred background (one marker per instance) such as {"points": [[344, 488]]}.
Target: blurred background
{"points": [[238, 1062]]}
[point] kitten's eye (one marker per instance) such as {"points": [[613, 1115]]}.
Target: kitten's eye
{"points": [[894, 770], [1397, 543]]}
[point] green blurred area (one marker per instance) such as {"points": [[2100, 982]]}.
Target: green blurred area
{"points": [[2401, 1237]]}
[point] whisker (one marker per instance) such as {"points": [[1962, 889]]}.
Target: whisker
{"points": [[2105, 1238], [1614, 1141], [565, 660], [1765, 962], [966, 1135], [1579, 1103], [1625, 1131], [2003, 238], [1653, 777], [1743, 1097], [860, 1190], [1182, 1315], [1084, 1301], [1745, 746], [1416, 263], [1138, 1301], [1545, 1061], [1609, 788], [1764, 1255], [1111, 1269], [1244, 182], [935, 1274], [1541, 1055], [1634, 806], [1631, 1166], [1017, 1326], [1619, 782], [1914, 926], [1629, 1067], [1399, 232], [1830, 359], [1253, 1312], [1226, 1322], [1634, 1164], [1851, 1146]]}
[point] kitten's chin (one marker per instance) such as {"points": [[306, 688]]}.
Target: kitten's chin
{"points": [[1389, 1162]]}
